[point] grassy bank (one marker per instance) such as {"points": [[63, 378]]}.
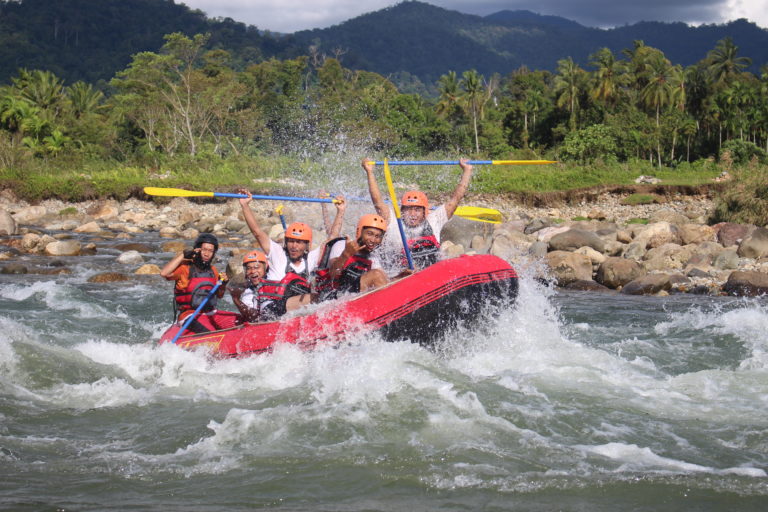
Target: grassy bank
{"points": [[74, 181]]}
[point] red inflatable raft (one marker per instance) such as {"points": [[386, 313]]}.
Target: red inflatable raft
{"points": [[422, 308]]}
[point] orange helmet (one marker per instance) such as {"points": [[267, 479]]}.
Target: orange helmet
{"points": [[415, 198], [255, 256], [299, 231], [371, 220]]}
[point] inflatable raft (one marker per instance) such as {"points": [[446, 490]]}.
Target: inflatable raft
{"points": [[422, 308]]}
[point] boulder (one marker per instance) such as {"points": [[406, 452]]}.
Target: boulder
{"points": [[14, 268], [89, 227], [617, 272], [624, 236], [667, 256], [614, 248], [130, 258], [142, 248], [479, 244], [169, 232], [30, 214], [658, 234], [7, 224], [148, 269], [461, 231], [568, 267], [696, 233], [575, 238], [537, 224], [669, 216], [546, 234], [729, 233], [587, 286], [538, 249], [746, 284], [452, 251], [727, 259], [30, 242], [635, 251], [754, 245], [595, 257], [108, 277], [63, 248], [104, 210], [650, 284]]}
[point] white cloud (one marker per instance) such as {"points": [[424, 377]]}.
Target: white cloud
{"points": [[293, 15]]}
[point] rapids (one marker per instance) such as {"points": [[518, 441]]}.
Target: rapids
{"points": [[569, 401]]}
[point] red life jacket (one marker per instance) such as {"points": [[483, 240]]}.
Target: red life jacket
{"points": [[425, 249], [290, 285], [201, 282], [324, 284]]}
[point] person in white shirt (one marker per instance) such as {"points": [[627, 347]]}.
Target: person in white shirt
{"points": [[422, 225], [293, 263]]}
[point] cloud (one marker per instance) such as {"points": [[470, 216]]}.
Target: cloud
{"points": [[293, 15]]}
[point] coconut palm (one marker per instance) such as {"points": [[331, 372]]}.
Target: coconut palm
{"points": [[608, 78], [724, 64], [474, 98], [568, 85]]}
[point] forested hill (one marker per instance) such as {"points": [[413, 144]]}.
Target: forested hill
{"points": [[91, 40], [427, 41]]}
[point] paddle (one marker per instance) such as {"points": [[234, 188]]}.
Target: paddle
{"points": [[476, 213], [471, 162], [197, 312], [179, 192], [279, 211], [396, 207]]}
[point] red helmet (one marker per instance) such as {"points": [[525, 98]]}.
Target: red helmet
{"points": [[299, 231], [371, 220], [255, 256], [415, 198]]}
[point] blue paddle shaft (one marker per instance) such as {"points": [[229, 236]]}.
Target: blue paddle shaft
{"points": [[194, 315], [405, 243], [277, 198], [435, 162]]}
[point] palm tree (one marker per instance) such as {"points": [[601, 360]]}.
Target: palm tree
{"points": [[83, 98], [448, 85], [608, 76], [568, 85], [472, 83], [657, 93], [724, 65]]}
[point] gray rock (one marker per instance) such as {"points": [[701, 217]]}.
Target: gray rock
{"points": [[635, 251], [755, 245], [538, 249], [7, 224], [650, 284], [14, 268], [537, 224], [568, 267], [617, 272], [667, 256], [134, 246], [461, 231], [668, 215], [727, 259], [575, 238], [130, 258], [587, 286]]}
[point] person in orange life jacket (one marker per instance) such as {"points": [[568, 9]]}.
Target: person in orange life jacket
{"points": [[422, 226], [194, 278], [356, 269], [293, 263], [256, 302]]}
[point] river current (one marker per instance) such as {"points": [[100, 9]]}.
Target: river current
{"points": [[568, 401]]}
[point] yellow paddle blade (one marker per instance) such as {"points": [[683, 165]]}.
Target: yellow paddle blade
{"points": [[523, 162], [479, 214], [174, 192], [391, 187]]}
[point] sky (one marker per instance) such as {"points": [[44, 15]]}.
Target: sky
{"points": [[293, 15]]}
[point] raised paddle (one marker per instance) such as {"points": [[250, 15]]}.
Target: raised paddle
{"points": [[279, 211], [471, 162], [197, 311], [396, 207], [477, 213], [180, 192]]}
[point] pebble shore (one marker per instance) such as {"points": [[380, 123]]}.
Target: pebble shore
{"points": [[600, 245]]}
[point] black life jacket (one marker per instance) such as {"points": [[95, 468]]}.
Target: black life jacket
{"points": [[425, 249], [201, 282], [357, 265]]}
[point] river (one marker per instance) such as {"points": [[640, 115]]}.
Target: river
{"points": [[568, 401]]}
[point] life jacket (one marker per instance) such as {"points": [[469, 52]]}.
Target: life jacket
{"points": [[425, 249], [322, 282], [357, 265], [201, 282], [293, 283]]}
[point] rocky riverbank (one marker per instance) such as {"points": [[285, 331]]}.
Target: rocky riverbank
{"points": [[597, 245]]}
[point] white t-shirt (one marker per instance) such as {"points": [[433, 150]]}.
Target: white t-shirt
{"points": [[278, 260], [251, 299], [392, 246]]}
